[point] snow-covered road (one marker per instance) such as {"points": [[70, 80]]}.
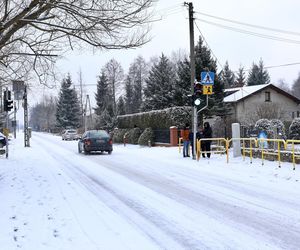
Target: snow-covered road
{"points": [[143, 198]]}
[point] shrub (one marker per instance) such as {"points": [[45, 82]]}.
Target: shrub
{"points": [[294, 129], [275, 123], [264, 125], [146, 136], [133, 135], [118, 135]]}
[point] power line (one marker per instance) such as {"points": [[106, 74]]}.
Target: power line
{"points": [[265, 67], [275, 38], [251, 25], [208, 45]]}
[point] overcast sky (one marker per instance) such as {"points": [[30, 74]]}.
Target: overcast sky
{"points": [[171, 33]]}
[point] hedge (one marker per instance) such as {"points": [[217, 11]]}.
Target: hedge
{"points": [[156, 119]]}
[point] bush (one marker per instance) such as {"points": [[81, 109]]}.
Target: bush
{"points": [[275, 123], [264, 125], [118, 135], [294, 130], [146, 136], [133, 135]]}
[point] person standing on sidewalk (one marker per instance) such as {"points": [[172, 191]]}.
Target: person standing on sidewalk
{"points": [[184, 133]]}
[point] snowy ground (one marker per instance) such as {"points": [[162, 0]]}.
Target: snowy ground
{"points": [[143, 198]]}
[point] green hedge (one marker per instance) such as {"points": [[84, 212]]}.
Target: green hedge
{"points": [[157, 119]]}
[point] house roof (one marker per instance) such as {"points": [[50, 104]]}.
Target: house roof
{"points": [[238, 94]]}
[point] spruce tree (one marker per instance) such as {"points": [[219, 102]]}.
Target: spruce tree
{"points": [[104, 103], [204, 62], [258, 75], [240, 80], [159, 91], [68, 108], [227, 76], [121, 106], [102, 94], [183, 84], [128, 96]]}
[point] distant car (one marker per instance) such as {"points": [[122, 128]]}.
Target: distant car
{"points": [[95, 140], [70, 134]]}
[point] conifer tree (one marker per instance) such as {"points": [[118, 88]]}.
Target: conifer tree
{"points": [[121, 106], [128, 95], [68, 108], [183, 84], [240, 80], [104, 103], [204, 62], [159, 91], [258, 75], [102, 94], [227, 77]]}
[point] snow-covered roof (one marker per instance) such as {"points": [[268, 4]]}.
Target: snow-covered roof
{"points": [[242, 92]]}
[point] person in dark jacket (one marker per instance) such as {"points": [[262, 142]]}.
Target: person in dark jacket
{"points": [[207, 133], [199, 135]]}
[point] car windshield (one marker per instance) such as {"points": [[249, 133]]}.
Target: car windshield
{"points": [[98, 133]]}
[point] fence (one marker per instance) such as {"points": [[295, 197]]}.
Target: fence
{"points": [[251, 146]]}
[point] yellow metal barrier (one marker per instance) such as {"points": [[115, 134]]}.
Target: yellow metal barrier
{"points": [[294, 156], [218, 140], [265, 151], [254, 145], [244, 148]]}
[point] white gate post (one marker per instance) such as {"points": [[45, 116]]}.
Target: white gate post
{"points": [[236, 143]]}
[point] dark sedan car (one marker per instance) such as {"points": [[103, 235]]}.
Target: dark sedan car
{"points": [[95, 140]]}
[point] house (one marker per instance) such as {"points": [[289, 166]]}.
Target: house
{"points": [[251, 103]]}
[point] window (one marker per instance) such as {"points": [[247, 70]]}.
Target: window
{"points": [[293, 115], [298, 114], [267, 96]]}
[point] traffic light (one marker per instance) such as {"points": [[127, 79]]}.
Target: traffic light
{"points": [[197, 94], [8, 102]]}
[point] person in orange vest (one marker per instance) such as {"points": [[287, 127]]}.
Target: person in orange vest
{"points": [[184, 133]]}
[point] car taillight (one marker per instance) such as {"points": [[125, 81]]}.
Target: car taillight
{"points": [[87, 142], [110, 141]]}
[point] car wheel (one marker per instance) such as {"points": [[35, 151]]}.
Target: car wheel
{"points": [[109, 152], [79, 150]]}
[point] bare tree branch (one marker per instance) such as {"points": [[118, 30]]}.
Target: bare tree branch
{"points": [[32, 31]]}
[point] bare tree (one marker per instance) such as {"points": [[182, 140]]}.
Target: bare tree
{"points": [[115, 75], [264, 111], [282, 84], [34, 32]]}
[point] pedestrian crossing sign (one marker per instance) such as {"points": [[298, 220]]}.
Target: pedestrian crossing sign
{"points": [[207, 78]]}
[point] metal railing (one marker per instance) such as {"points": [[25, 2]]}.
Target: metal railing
{"points": [[254, 145]]}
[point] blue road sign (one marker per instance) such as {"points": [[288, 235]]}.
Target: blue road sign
{"points": [[207, 78]]}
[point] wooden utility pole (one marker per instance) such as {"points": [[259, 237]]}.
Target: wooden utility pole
{"points": [[192, 61]]}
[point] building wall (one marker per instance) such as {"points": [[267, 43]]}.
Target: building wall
{"points": [[247, 110]]}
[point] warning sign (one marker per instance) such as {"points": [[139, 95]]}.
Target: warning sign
{"points": [[207, 89]]}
